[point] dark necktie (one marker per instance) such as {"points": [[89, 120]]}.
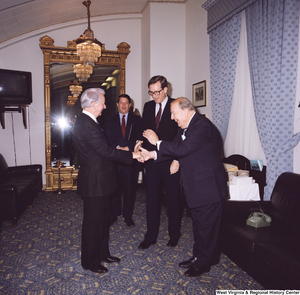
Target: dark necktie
{"points": [[157, 118], [123, 126]]}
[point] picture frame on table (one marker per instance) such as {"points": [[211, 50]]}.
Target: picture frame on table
{"points": [[199, 94]]}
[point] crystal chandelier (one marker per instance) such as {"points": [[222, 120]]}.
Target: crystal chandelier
{"points": [[75, 89], [71, 100], [82, 71], [88, 48]]}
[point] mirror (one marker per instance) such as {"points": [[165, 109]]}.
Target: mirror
{"points": [[63, 114], [59, 75]]}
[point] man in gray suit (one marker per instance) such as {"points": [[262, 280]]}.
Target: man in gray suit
{"points": [[96, 180], [197, 146]]}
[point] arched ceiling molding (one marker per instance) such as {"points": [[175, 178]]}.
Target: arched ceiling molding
{"points": [[46, 30]]}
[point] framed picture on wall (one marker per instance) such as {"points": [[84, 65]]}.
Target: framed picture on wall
{"points": [[199, 94]]}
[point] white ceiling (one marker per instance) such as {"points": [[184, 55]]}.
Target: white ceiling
{"points": [[18, 17]]}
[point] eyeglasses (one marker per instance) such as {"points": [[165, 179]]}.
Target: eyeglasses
{"points": [[155, 92]]}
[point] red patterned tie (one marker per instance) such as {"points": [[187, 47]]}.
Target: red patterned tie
{"points": [[157, 118], [123, 126]]}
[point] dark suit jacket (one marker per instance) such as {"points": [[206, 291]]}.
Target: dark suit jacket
{"points": [[113, 131], [97, 176], [202, 171], [167, 128]]}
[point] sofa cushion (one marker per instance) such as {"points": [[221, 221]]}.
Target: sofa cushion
{"points": [[283, 259], [244, 237], [282, 256]]}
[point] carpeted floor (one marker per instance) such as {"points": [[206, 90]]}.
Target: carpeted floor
{"points": [[42, 256]]}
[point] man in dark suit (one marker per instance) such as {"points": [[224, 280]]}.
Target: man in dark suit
{"points": [[96, 180], [123, 130], [198, 147], [157, 117]]}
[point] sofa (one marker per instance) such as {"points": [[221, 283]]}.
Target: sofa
{"points": [[270, 254], [19, 185]]}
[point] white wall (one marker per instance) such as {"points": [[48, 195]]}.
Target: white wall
{"points": [[167, 45], [145, 55], [197, 51]]}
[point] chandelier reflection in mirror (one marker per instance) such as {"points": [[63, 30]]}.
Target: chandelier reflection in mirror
{"points": [[88, 49]]}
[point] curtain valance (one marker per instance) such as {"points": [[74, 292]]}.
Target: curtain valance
{"points": [[219, 11]]}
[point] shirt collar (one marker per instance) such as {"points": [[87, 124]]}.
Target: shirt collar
{"points": [[90, 115], [190, 121]]}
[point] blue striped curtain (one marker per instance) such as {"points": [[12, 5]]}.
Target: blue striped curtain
{"points": [[272, 33], [224, 41]]}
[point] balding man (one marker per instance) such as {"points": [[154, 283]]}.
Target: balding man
{"points": [[197, 146]]}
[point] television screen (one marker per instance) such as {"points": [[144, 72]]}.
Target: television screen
{"points": [[15, 87]]}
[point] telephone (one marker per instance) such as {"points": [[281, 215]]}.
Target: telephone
{"points": [[258, 219]]}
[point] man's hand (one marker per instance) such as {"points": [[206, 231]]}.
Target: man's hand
{"points": [[138, 156], [125, 148], [147, 155], [137, 145], [174, 167], [151, 136]]}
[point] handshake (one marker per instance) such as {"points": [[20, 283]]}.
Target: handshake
{"points": [[142, 154]]}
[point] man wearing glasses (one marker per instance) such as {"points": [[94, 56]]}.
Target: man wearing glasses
{"points": [[157, 117]]}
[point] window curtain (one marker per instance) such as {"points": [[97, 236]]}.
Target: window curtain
{"points": [[242, 135], [224, 41], [272, 33], [219, 11]]}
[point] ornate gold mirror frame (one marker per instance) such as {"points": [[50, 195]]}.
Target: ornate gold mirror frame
{"points": [[68, 55]]}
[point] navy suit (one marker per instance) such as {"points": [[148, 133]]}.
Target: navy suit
{"points": [[204, 181], [159, 173], [96, 182], [126, 174]]}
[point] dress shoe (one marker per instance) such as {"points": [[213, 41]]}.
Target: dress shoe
{"points": [[113, 220], [189, 263], [172, 242], [112, 259], [100, 269], [129, 222], [196, 271], [145, 245]]}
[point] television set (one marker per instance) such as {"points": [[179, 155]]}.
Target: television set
{"points": [[15, 87]]}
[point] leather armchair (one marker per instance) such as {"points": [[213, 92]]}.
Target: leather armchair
{"points": [[19, 185]]}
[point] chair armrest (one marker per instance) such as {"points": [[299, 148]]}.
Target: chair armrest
{"points": [[8, 196], [34, 169], [7, 189]]}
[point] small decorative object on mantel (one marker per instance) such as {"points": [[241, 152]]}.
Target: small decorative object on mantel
{"points": [[199, 94], [59, 164]]}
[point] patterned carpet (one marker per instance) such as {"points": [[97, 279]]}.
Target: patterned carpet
{"points": [[42, 256]]}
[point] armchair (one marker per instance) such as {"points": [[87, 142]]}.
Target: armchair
{"points": [[19, 185]]}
